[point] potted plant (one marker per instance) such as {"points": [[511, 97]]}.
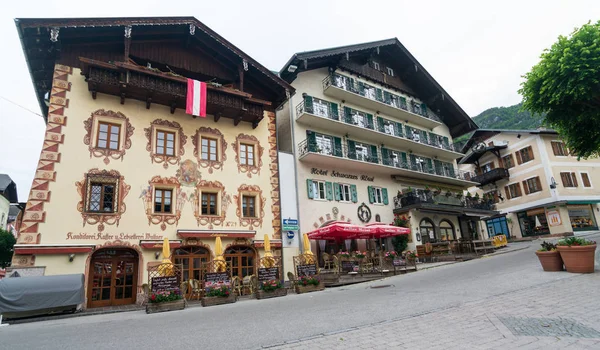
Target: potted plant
{"points": [[577, 254], [459, 195], [476, 197], [401, 221], [549, 257], [271, 289], [217, 296], [345, 255], [469, 195], [411, 255], [391, 255], [448, 193], [308, 284], [165, 301], [409, 192], [427, 189], [360, 255]]}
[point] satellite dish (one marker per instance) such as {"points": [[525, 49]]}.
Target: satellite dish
{"points": [[479, 147]]}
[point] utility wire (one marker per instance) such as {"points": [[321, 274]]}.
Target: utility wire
{"points": [[20, 106]]}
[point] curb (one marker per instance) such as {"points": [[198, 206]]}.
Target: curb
{"points": [[504, 252]]}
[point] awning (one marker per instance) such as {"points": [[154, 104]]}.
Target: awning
{"points": [[584, 202], [342, 230], [216, 233], [158, 244]]}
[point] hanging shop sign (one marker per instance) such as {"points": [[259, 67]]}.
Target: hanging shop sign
{"points": [[554, 218], [333, 173]]}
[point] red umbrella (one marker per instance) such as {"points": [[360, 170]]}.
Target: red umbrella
{"points": [[339, 230], [384, 231]]}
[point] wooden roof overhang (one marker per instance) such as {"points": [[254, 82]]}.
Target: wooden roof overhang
{"points": [[131, 81]]}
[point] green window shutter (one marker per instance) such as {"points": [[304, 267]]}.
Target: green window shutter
{"points": [[361, 88], [329, 190], [350, 84], [385, 156], [309, 189], [398, 130], [408, 130], [429, 165], [423, 109], [371, 194], [380, 125], [384, 194], [337, 147], [433, 139], [374, 158], [336, 191], [438, 166], [370, 121], [403, 102], [348, 115], [308, 104], [413, 162], [423, 136], [353, 194], [404, 159], [311, 138], [446, 142], [334, 111], [387, 98], [351, 149], [379, 95], [451, 169]]}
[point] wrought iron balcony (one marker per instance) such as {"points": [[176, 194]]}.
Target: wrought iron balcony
{"points": [[491, 176], [431, 197]]}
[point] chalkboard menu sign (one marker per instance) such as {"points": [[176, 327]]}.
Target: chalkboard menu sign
{"points": [[268, 274], [399, 262], [166, 283], [213, 279], [306, 270], [349, 266]]}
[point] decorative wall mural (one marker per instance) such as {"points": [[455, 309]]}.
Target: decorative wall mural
{"points": [[242, 157], [274, 173], [178, 199], [224, 201], [188, 173], [179, 147], [87, 205], [251, 190], [216, 135], [125, 132]]}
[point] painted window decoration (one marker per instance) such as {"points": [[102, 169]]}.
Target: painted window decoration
{"points": [[248, 154], [212, 203], [209, 203], [166, 142], [163, 200], [532, 185], [585, 178], [378, 195], [508, 161], [525, 155], [559, 148], [102, 194], [107, 135], [250, 206], [569, 179], [210, 148], [513, 191]]}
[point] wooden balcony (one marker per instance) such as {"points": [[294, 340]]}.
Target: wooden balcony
{"points": [[491, 176]]}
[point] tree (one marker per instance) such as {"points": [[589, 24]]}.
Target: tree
{"points": [[7, 242], [565, 85]]}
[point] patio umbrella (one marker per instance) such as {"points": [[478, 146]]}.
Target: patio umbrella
{"points": [[166, 267], [219, 260], [268, 260], [307, 245], [537, 222]]}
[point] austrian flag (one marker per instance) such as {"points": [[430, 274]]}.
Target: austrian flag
{"points": [[196, 98]]}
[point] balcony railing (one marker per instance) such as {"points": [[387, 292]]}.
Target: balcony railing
{"points": [[329, 110], [430, 197], [376, 94], [491, 176], [366, 154]]}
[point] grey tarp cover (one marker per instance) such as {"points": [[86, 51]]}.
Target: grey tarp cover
{"points": [[21, 294]]}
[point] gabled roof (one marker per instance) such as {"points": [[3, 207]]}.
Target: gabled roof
{"points": [[8, 188], [419, 80], [481, 135], [165, 26]]}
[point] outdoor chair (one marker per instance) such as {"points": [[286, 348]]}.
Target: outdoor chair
{"points": [[236, 286], [254, 283], [195, 289], [183, 287], [247, 284], [327, 261], [292, 279]]}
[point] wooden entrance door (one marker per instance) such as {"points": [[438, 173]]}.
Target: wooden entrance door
{"points": [[113, 278], [242, 260]]}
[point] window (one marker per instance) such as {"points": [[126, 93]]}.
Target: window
{"points": [[209, 149], [568, 179], [344, 192], [508, 161], [108, 136], [246, 154], [524, 155], [487, 167], [359, 119], [376, 65], [318, 189], [320, 107], [585, 178], [162, 200], [390, 71], [209, 203], [559, 148], [446, 231], [362, 152], [248, 206], [513, 191], [494, 195], [388, 128], [324, 144], [369, 92], [102, 197], [165, 143], [532, 185], [377, 195]]}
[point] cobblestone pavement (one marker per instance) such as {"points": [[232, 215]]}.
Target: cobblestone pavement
{"points": [[562, 314]]}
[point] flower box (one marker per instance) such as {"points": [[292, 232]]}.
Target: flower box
{"points": [[309, 288], [550, 260], [211, 301], [165, 306], [578, 259], [261, 294]]}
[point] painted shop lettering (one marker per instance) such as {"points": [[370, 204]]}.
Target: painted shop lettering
{"points": [[317, 171], [109, 237]]}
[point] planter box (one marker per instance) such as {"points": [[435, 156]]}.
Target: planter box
{"points": [[166, 306], [310, 288], [551, 261], [211, 301], [578, 259], [261, 294]]}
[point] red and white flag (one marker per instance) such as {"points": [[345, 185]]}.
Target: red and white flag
{"points": [[196, 98]]}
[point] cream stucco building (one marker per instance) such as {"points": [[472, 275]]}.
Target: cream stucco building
{"points": [[372, 133], [123, 166], [539, 187]]}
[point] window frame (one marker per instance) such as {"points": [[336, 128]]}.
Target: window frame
{"points": [[512, 161], [154, 196], [572, 178], [536, 180], [246, 198], [209, 194], [209, 140], [244, 153], [529, 154], [377, 195], [518, 190], [560, 146], [589, 179], [317, 190], [342, 187], [108, 140], [165, 140], [101, 199]]}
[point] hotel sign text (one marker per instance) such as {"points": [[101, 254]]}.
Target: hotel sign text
{"points": [[316, 171]]}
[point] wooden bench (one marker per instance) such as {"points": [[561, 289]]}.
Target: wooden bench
{"points": [[483, 245]]}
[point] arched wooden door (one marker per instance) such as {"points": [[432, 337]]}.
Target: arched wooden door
{"points": [[243, 260], [113, 277], [191, 259]]}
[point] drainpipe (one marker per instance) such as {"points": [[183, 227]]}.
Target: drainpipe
{"points": [[295, 153]]}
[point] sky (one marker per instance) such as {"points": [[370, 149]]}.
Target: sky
{"points": [[477, 50]]}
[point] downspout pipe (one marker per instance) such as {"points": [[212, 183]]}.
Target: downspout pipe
{"points": [[295, 153]]}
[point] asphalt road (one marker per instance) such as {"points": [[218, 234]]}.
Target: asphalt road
{"points": [[256, 323]]}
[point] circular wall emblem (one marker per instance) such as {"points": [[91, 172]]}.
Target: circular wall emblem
{"points": [[364, 213], [335, 210]]}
